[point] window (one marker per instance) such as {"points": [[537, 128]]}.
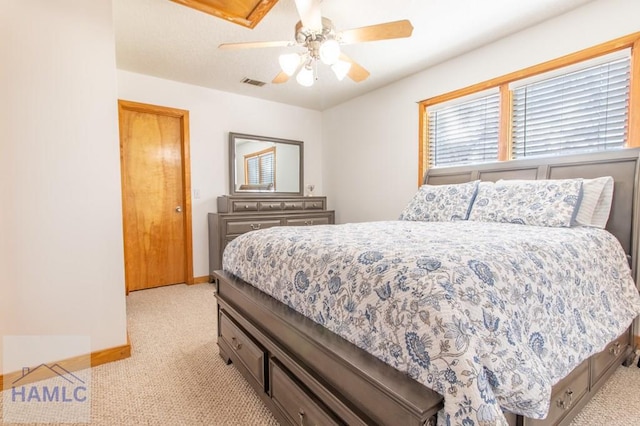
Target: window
{"points": [[582, 102], [579, 111], [260, 167], [465, 132]]}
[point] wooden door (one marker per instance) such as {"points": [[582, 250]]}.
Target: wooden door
{"points": [[155, 195]]}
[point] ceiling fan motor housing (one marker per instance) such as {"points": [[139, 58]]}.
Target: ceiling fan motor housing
{"points": [[312, 39]]}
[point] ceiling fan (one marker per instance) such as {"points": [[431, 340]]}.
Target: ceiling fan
{"points": [[322, 42]]}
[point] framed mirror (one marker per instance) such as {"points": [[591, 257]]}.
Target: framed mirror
{"points": [[261, 165]]}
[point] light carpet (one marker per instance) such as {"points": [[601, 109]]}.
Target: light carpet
{"points": [[175, 376]]}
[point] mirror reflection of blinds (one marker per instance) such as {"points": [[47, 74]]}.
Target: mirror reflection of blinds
{"points": [[266, 168], [465, 132], [253, 171], [582, 111], [261, 168]]}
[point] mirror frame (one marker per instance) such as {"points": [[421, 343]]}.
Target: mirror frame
{"points": [[249, 193]]}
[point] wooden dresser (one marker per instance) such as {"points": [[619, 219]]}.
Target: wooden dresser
{"points": [[239, 214]]}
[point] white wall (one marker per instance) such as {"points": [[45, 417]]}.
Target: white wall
{"points": [[213, 114], [61, 254], [371, 143]]}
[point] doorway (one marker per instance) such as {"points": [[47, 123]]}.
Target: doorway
{"points": [[156, 195]]}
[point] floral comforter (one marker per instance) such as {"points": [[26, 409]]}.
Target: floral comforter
{"points": [[489, 315]]}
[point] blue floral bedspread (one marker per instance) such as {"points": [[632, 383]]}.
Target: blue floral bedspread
{"points": [[489, 315]]}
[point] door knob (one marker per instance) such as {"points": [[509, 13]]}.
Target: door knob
{"points": [[179, 209]]}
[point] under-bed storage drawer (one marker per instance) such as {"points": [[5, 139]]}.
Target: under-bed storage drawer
{"points": [[602, 361], [297, 404], [249, 353], [566, 394]]}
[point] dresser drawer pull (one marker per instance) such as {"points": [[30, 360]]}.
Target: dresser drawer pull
{"points": [[615, 349], [431, 421], [246, 206], [566, 403], [236, 345], [301, 414], [308, 222], [255, 226]]}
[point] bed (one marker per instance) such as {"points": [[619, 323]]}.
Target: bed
{"points": [[306, 373]]}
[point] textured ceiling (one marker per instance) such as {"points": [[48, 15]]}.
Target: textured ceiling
{"points": [[167, 40]]}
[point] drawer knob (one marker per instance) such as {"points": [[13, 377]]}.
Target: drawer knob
{"points": [[301, 414], [236, 345], [566, 402], [615, 349], [255, 226], [246, 206], [308, 222]]}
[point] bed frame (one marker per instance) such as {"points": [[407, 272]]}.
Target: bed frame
{"points": [[308, 375]]}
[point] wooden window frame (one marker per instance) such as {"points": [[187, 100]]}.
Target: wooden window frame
{"points": [[631, 41]]}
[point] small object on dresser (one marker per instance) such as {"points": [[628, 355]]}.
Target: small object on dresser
{"points": [[310, 188]]}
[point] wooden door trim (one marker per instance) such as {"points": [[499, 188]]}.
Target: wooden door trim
{"points": [[183, 116]]}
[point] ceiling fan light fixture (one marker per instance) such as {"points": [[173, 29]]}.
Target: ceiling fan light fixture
{"points": [[329, 51], [305, 77], [289, 63], [340, 69]]}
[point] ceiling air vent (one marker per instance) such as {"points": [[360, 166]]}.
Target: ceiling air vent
{"points": [[253, 82]]}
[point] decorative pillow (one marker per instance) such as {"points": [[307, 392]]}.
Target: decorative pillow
{"points": [[551, 203], [441, 203], [596, 202]]}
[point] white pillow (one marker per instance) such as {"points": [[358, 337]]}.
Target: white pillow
{"points": [[597, 195]]}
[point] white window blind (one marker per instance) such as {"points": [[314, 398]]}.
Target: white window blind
{"points": [[581, 111], [252, 171], [266, 168], [465, 132], [261, 167]]}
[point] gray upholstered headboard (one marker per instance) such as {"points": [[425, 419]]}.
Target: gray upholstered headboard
{"points": [[623, 165]]}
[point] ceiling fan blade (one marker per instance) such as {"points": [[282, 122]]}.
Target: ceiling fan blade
{"points": [[310, 15], [388, 30], [256, 44], [282, 77], [357, 72]]}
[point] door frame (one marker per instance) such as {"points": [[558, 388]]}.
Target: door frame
{"points": [[183, 116]]}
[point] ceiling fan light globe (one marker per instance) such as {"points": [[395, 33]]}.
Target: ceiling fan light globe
{"points": [[305, 77], [340, 69], [329, 52], [289, 63]]}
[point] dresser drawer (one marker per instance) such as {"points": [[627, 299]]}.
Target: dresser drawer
{"points": [[249, 353], [244, 206], [566, 394], [313, 205], [308, 221], [242, 226], [270, 206], [295, 402], [293, 205], [602, 361]]}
